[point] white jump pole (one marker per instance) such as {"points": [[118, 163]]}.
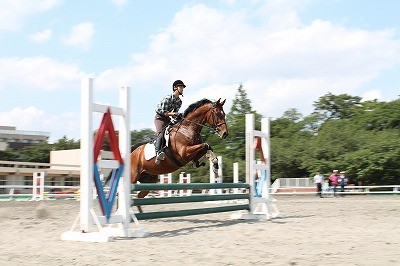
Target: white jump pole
{"points": [[165, 179], [214, 178], [266, 147], [235, 176], [184, 178], [38, 185]]}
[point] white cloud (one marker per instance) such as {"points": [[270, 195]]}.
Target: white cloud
{"points": [[38, 73], [34, 119], [21, 118], [42, 36], [278, 65], [14, 14], [282, 64], [371, 95], [120, 3], [80, 36]]}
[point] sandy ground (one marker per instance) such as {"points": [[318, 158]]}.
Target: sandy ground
{"points": [[354, 230]]}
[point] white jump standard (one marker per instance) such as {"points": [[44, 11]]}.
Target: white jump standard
{"points": [[262, 205], [88, 220]]}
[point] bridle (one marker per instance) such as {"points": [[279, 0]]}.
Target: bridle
{"points": [[213, 117]]}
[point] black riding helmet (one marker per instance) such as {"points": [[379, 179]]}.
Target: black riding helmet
{"points": [[178, 83]]}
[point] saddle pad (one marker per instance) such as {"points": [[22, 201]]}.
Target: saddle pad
{"points": [[149, 151]]}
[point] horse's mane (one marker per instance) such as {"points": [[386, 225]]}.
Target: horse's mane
{"points": [[195, 105]]}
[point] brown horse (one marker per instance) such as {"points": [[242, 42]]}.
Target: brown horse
{"points": [[185, 143]]}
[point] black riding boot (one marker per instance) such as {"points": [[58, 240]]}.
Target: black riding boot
{"points": [[160, 155]]}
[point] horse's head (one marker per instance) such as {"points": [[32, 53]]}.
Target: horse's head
{"points": [[217, 119], [206, 111]]}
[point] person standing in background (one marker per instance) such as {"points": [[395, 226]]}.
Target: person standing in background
{"points": [[333, 178], [342, 180], [318, 180]]}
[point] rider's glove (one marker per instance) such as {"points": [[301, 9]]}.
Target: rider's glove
{"points": [[179, 116]]}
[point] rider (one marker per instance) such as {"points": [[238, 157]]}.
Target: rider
{"points": [[168, 107]]}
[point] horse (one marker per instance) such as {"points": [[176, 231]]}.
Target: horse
{"points": [[185, 144]]}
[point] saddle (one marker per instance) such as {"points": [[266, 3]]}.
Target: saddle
{"points": [[150, 148]]}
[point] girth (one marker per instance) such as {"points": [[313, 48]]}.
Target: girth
{"points": [[169, 153]]}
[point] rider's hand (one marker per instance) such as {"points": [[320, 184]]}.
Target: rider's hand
{"points": [[177, 116]]}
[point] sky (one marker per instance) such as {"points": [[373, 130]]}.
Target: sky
{"points": [[285, 53]]}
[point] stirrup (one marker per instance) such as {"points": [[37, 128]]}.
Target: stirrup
{"points": [[160, 156]]}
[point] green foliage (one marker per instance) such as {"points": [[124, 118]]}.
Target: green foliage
{"points": [[9, 155], [139, 137], [66, 144], [341, 106], [39, 153], [235, 144]]}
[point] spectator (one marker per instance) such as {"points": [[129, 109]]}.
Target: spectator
{"points": [[342, 180], [333, 178], [318, 180]]}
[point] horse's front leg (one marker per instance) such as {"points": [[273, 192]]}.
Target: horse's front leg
{"points": [[214, 160], [195, 152], [200, 151]]}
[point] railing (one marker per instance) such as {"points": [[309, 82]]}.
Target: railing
{"points": [[71, 191], [349, 190], [14, 164], [294, 182], [13, 192]]}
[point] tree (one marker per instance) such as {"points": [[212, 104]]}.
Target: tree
{"points": [[39, 153], [289, 145], [66, 144], [379, 115], [236, 143], [341, 106], [139, 137]]}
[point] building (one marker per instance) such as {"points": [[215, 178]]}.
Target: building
{"points": [[63, 170], [13, 138]]}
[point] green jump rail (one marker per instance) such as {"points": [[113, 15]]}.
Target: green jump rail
{"points": [[184, 199], [169, 214], [145, 187]]}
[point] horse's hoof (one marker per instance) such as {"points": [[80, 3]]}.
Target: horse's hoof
{"points": [[216, 166]]}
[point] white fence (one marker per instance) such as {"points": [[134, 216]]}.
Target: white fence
{"points": [[295, 182], [304, 186], [12, 192]]}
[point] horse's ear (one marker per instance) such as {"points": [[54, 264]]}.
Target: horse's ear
{"points": [[218, 102], [223, 102]]}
